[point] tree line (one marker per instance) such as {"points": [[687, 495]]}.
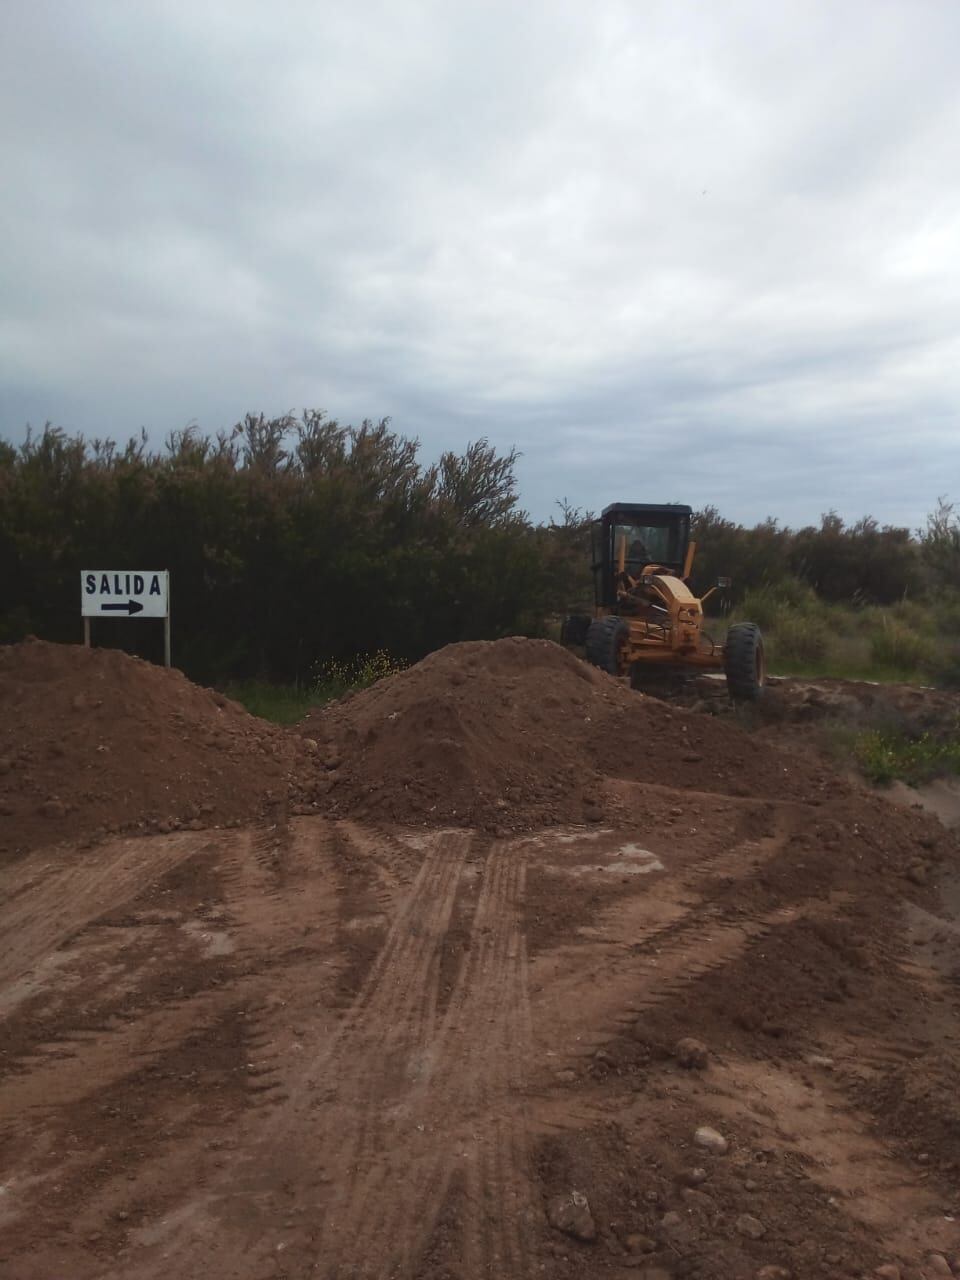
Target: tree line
{"points": [[297, 539]]}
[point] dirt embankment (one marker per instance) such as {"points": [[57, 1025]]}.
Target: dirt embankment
{"points": [[503, 736], [515, 734]]}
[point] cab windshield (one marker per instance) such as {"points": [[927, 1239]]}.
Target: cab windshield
{"points": [[646, 544]]}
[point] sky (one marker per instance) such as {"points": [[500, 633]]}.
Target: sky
{"points": [[688, 252]]}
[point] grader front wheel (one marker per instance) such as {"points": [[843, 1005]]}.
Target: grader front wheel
{"points": [[744, 662]]}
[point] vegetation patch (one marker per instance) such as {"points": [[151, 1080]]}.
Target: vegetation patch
{"points": [[331, 679], [280, 703], [902, 648], [884, 757]]}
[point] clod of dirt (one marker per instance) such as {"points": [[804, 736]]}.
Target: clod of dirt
{"points": [[515, 734], [692, 1054], [819, 1060], [571, 1215], [672, 1223], [889, 1271], [710, 1140], [780, 1273], [638, 1243], [937, 1265], [698, 1200], [749, 1226]]}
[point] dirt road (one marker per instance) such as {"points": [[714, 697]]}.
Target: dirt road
{"points": [[325, 1050], [495, 970]]}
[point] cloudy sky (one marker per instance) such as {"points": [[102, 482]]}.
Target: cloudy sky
{"points": [[704, 252]]}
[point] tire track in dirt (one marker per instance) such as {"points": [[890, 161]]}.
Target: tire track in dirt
{"points": [[349, 1176], [469, 1110], [61, 1071], [48, 899], [386, 1062], [683, 912], [499, 1204], [679, 956], [341, 1108], [455, 1115], [277, 891]]}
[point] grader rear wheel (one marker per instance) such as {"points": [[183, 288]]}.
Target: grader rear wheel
{"points": [[573, 630], [606, 640]]}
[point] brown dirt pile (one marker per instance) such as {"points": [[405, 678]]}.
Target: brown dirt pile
{"points": [[515, 734], [92, 740]]}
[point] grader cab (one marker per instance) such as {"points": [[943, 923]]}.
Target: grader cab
{"points": [[646, 618]]}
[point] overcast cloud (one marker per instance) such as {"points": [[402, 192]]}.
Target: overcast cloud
{"points": [[693, 252]]}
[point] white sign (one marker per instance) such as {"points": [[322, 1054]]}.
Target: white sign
{"points": [[124, 593]]}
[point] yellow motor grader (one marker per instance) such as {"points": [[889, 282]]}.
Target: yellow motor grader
{"points": [[646, 619]]}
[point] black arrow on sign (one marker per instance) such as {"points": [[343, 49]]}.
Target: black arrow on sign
{"points": [[132, 606]]}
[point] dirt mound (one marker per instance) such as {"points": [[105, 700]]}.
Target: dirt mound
{"points": [[92, 740], [514, 734]]}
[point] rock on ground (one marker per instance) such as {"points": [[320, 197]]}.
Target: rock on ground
{"points": [[711, 1140], [571, 1214]]}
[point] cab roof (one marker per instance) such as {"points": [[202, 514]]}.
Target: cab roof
{"points": [[648, 508]]}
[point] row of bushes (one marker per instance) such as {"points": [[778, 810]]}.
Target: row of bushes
{"points": [[297, 540], [862, 563], [289, 541]]}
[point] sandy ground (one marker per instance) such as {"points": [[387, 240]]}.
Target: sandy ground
{"points": [[494, 970], [324, 1049]]}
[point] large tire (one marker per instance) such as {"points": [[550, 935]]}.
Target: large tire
{"points": [[605, 641], [573, 630], [744, 662]]}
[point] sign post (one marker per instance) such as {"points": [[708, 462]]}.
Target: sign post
{"points": [[126, 593]]}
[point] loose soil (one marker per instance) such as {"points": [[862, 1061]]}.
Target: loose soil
{"points": [[423, 1018], [800, 712], [93, 742], [518, 734]]}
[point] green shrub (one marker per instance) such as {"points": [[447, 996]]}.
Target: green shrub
{"points": [[761, 606], [901, 648], [333, 678], [286, 704], [283, 704], [913, 615], [884, 757], [946, 616], [768, 606], [840, 620], [945, 668], [800, 637]]}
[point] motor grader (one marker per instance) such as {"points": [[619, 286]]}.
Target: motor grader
{"points": [[647, 622]]}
